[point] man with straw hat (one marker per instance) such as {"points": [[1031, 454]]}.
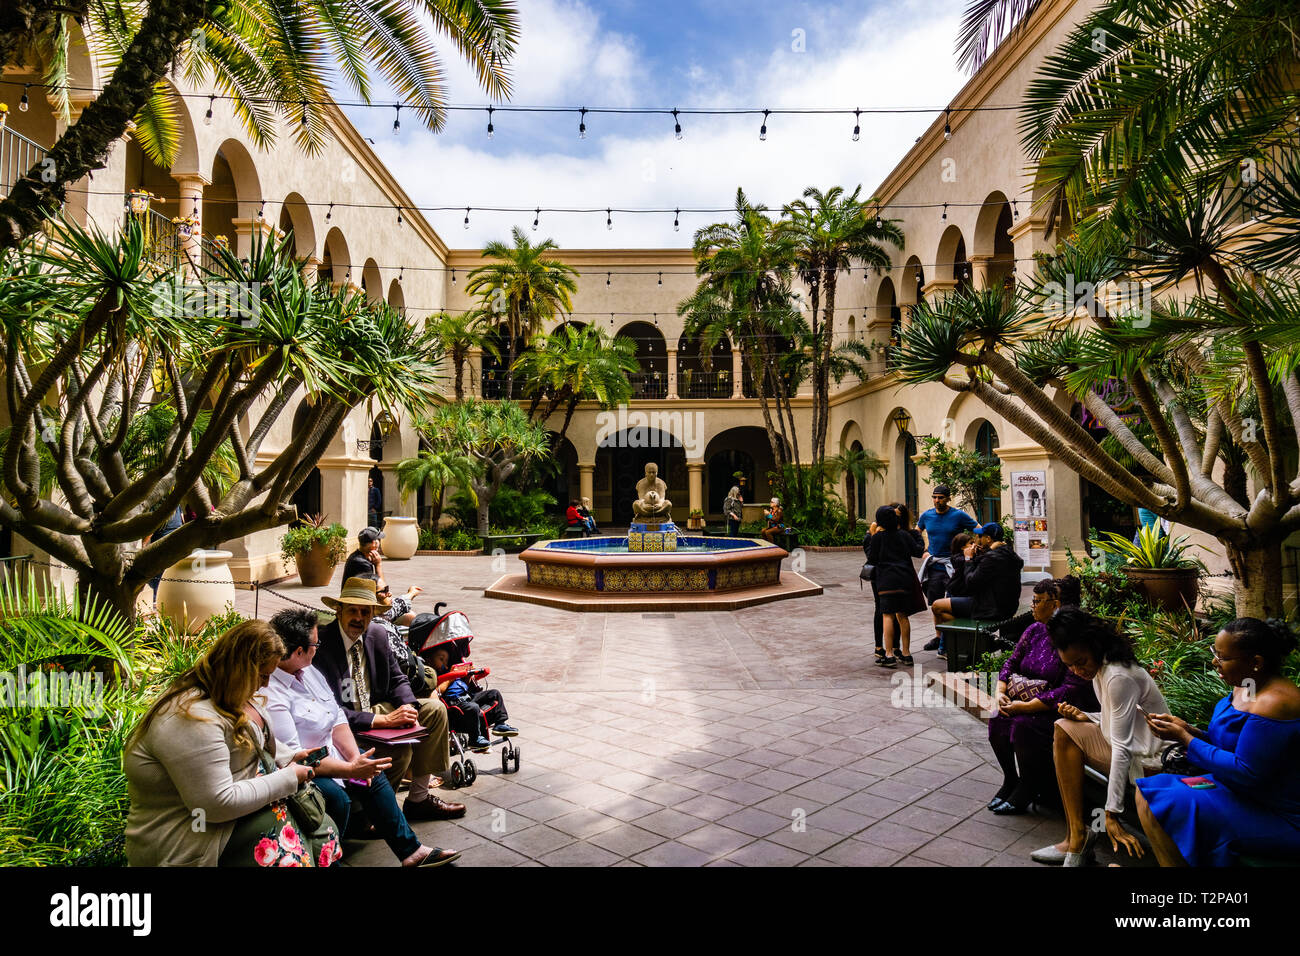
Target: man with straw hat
{"points": [[368, 683]]}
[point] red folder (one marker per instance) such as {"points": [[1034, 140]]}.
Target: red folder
{"points": [[394, 735]]}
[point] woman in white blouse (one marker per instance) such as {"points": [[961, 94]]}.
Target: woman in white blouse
{"points": [[305, 715], [1117, 741]]}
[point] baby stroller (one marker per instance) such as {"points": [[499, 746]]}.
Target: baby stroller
{"points": [[451, 632]]}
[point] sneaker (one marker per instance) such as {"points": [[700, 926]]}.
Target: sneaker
{"points": [[932, 644], [481, 745], [906, 660], [505, 730], [886, 662]]}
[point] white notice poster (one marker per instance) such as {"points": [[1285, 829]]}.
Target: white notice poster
{"points": [[1029, 512]]}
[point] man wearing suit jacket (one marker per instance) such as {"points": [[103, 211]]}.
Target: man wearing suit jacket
{"points": [[355, 659]]}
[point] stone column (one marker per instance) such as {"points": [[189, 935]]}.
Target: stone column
{"points": [[586, 476], [310, 270], [695, 482], [191, 205], [1064, 499], [245, 230], [938, 287], [979, 271], [1027, 237], [737, 373], [672, 373]]}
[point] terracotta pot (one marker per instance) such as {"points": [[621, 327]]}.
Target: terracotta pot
{"points": [[401, 537], [315, 569], [195, 588], [1171, 589]]}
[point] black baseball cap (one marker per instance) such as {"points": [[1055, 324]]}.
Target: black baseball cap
{"points": [[941, 490], [369, 534]]}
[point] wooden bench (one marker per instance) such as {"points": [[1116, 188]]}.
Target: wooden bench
{"points": [[512, 548], [574, 531], [966, 640]]}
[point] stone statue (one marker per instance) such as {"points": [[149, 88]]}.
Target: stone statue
{"points": [[652, 502]]}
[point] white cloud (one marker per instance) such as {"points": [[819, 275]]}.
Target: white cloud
{"points": [[899, 57]]}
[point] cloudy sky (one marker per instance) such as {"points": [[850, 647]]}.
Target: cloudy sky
{"points": [[673, 53]]}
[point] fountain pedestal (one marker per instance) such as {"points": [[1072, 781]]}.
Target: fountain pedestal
{"points": [[652, 536]]}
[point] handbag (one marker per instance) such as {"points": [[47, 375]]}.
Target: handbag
{"points": [[1024, 688], [295, 831], [1173, 759]]}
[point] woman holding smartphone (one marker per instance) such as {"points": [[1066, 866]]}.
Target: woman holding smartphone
{"points": [[1116, 741], [1247, 799]]}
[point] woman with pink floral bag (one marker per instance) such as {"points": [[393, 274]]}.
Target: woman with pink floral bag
{"points": [[204, 780]]}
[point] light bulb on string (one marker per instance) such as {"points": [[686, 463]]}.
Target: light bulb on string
{"points": [[399, 215], [537, 218], [677, 125], [857, 125], [397, 118], [582, 123], [466, 217], [609, 219], [762, 130], [453, 276], [947, 125], [489, 131], [661, 278], [607, 279], [261, 209], [944, 217], [677, 225], [1015, 210], [329, 212], [23, 102], [879, 222], [207, 117]]}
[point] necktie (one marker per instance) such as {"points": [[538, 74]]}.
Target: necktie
{"points": [[361, 688]]}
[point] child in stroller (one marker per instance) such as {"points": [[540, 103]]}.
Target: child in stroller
{"points": [[442, 641]]}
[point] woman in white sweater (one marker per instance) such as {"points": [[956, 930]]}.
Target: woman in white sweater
{"points": [[1117, 741], [192, 763]]}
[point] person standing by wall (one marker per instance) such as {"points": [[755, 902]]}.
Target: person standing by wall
{"points": [[374, 503], [733, 508]]}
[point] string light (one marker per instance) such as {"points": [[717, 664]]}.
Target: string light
{"points": [[582, 123], [1015, 210], [879, 222], [944, 217], [329, 212], [947, 125], [261, 209], [537, 218], [607, 279], [399, 215], [677, 226], [489, 131], [304, 114], [609, 219], [762, 130], [661, 278], [677, 125], [453, 276], [397, 118], [23, 102], [467, 217], [857, 125], [207, 117]]}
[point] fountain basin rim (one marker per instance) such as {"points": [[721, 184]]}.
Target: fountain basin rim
{"points": [[540, 554]]}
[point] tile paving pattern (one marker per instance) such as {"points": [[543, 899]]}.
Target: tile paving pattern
{"points": [[761, 737]]}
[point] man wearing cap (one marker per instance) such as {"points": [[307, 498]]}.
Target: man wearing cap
{"points": [[356, 661], [939, 524], [367, 559]]}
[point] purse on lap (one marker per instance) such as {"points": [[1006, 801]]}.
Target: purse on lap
{"points": [[1024, 688], [295, 831]]}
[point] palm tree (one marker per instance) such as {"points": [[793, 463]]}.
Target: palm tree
{"points": [[745, 294], [831, 230], [274, 59], [436, 467], [460, 334], [985, 24], [576, 364], [856, 464], [523, 289]]}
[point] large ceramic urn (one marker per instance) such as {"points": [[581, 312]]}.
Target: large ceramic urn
{"points": [[401, 537], [195, 588]]}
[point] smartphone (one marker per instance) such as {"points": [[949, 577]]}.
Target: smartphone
{"points": [[314, 757], [1198, 783], [1141, 711]]}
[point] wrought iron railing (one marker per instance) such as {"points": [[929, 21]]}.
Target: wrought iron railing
{"points": [[692, 383], [649, 384], [18, 155]]}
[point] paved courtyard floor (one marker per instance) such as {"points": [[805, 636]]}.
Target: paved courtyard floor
{"points": [[760, 737]]}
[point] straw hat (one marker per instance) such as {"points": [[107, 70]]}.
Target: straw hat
{"points": [[357, 591]]}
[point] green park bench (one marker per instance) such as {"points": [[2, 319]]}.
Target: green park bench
{"points": [[966, 640]]}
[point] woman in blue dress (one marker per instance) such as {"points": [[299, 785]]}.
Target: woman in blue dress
{"points": [[1249, 756]]}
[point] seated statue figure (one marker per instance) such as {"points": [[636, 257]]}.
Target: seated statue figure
{"points": [[652, 502]]}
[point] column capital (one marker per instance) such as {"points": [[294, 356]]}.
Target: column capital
{"points": [[586, 466], [1026, 226], [695, 465], [192, 181], [938, 286]]}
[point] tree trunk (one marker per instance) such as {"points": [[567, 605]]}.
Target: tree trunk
{"points": [[103, 590], [1258, 586], [483, 502]]}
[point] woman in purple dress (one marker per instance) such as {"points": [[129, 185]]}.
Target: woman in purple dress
{"points": [[1021, 731]]}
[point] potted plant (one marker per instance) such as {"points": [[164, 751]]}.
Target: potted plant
{"points": [[1158, 565], [695, 520], [316, 548]]}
